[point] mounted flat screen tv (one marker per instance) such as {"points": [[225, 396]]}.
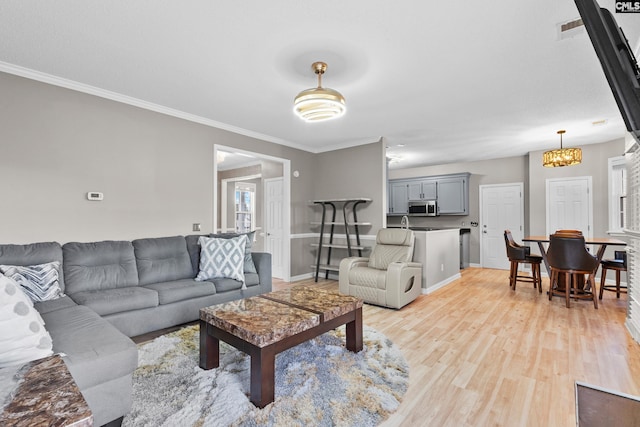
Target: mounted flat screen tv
{"points": [[617, 60]]}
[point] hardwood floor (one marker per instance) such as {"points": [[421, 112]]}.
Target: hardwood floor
{"points": [[483, 355]]}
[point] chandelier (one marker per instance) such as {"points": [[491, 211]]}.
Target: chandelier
{"points": [[563, 156], [319, 104]]}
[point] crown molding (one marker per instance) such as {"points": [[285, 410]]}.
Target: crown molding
{"points": [[118, 97]]}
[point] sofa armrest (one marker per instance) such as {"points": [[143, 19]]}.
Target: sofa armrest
{"points": [[262, 261]]}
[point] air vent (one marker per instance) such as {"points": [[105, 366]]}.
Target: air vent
{"points": [[570, 28]]}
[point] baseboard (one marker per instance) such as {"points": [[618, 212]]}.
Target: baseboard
{"points": [[442, 284], [302, 277]]}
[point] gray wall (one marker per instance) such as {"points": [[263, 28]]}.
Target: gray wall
{"points": [[343, 174], [156, 171]]}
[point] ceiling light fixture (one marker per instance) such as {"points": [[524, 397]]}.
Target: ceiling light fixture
{"points": [[563, 156], [319, 104]]}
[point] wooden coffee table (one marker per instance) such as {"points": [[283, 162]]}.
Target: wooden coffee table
{"points": [[264, 325]]}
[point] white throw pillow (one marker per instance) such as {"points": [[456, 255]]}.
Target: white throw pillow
{"points": [[222, 258], [23, 337], [39, 282]]}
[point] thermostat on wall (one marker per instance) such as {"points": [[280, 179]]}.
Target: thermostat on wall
{"points": [[95, 195]]}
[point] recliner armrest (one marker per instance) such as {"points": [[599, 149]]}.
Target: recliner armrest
{"points": [[345, 266]]}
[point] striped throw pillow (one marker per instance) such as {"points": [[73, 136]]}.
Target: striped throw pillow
{"points": [[39, 282]]}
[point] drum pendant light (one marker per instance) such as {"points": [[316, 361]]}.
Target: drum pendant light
{"points": [[563, 156], [319, 104]]}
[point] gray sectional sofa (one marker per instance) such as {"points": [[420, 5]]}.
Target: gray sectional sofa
{"points": [[119, 289]]}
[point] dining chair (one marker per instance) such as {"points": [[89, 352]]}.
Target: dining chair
{"points": [[570, 260], [618, 264], [517, 255]]}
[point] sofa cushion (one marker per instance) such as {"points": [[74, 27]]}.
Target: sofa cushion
{"points": [[251, 279], [23, 337], [162, 259], [222, 258], [226, 285], [194, 252], [33, 254], [109, 301], [179, 290], [40, 282], [99, 265], [96, 352], [54, 304]]}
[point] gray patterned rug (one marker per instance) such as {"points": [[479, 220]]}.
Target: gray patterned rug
{"points": [[318, 383]]}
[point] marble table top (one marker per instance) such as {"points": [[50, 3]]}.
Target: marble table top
{"points": [[265, 319], [42, 393]]}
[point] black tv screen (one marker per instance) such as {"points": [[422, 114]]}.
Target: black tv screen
{"points": [[617, 60]]}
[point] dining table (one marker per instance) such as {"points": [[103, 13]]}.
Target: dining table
{"points": [[601, 242]]}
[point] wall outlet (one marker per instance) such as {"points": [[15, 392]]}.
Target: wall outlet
{"points": [[197, 227]]}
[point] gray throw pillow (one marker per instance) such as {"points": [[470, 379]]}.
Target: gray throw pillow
{"points": [[249, 266], [221, 258]]}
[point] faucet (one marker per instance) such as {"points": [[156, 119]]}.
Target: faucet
{"points": [[404, 222]]}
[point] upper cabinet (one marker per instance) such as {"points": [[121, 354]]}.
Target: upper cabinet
{"points": [[424, 189], [398, 197], [450, 191], [453, 195]]}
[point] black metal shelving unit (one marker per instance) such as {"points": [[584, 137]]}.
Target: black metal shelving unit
{"points": [[349, 220]]}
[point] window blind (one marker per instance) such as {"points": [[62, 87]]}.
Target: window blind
{"points": [[632, 230]]}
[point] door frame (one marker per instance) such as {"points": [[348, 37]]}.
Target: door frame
{"points": [[481, 189], [589, 180], [286, 200]]}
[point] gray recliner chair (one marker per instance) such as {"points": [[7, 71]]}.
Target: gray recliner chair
{"points": [[388, 277]]}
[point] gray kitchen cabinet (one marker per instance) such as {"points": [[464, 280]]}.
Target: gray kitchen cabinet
{"points": [[424, 189], [450, 191], [453, 195], [398, 197]]}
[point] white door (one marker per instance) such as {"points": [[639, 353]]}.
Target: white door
{"points": [[274, 229], [501, 208], [569, 205]]}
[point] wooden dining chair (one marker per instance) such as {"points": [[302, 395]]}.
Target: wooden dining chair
{"points": [[517, 255], [569, 259], [618, 264]]}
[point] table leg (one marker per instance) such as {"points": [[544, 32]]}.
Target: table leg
{"points": [[209, 348], [543, 253], [354, 332], [262, 375]]}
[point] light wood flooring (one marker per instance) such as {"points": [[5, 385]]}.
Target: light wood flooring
{"points": [[483, 355]]}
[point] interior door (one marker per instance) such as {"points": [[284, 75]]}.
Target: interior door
{"points": [[501, 208], [569, 204], [274, 227]]}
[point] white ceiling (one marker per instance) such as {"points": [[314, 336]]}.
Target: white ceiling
{"points": [[452, 81]]}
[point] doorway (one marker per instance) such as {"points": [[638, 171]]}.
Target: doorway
{"points": [[281, 247], [501, 208], [569, 205]]}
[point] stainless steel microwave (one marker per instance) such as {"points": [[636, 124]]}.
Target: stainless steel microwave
{"points": [[423, 208]]}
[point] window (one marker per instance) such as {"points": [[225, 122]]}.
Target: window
{"points": [[617, 194], [245, 203]]}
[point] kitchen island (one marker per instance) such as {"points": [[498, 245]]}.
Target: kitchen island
{"points": [[438, 249]]}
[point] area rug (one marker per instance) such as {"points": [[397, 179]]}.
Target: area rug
{"points": [[318, 383]]}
